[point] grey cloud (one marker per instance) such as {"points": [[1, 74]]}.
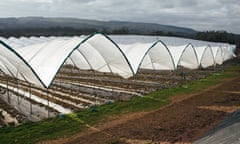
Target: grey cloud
{"points": [[199, 15]]}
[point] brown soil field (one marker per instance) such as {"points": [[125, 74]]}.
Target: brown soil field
{"points": [[186, 119]]}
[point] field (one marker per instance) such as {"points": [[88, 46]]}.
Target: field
{"points": [[185, 120], [76, 90], [81, 92]]}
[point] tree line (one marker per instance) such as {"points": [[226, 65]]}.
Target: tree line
{"points": [[212, 36], [218, 36]]}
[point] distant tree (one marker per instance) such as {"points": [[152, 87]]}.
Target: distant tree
{"points": [[218, 36], [123, 30], [238, 48], [54, 31], [169, 33], [160, 33]]}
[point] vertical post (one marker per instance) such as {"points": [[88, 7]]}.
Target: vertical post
{"points": [[48, 103], [78, 80], [30, 96], [8, 91], [17, 92], [132, 83], [71, 86], [131, 86], [113, 95], [95, 88]]}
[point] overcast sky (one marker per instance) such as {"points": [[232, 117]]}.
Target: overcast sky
{"points": [[196, 14]]}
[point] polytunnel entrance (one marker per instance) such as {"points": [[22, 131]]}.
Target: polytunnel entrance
{"points": [[188, 58], [219, 56], [207, 58], [158, 57]]}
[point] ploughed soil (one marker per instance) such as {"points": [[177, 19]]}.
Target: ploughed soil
{"points": [[185, 120]]}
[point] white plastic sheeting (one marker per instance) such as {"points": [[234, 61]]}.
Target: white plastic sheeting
{"points": [[218, 55], [185, 52], [39, 63], [158, 57], [176, 52], [17, 66], [135, 53], [38, 59], [188, 58], [206, 56], [148, 56]]}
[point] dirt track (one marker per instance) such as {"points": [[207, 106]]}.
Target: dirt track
{"points": [[187, 119]]}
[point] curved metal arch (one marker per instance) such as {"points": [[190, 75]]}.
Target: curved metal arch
{"points": [[89, 64], [5, 67], [72, 62], [161, 42], [125, 57], [208, 46], [189, 44], [24, 61], [85, 40], [221, 49], [8, 70], [221, 52], [102, 58]]}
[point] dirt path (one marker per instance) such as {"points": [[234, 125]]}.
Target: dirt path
{"points": [[185, 120]]}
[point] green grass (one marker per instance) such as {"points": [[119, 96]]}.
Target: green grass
{"points": [[70, 124]]}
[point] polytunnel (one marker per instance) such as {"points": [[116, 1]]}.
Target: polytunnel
{"points": [[207, 58], [146, 52], [218, 55], [38, 59], [15, 65], [188, 58], [227, 53], [185, 52], [39, 63], [184, 56], [148, 56], [176, 52], [135, 53], [158, 57], [102, 54]]}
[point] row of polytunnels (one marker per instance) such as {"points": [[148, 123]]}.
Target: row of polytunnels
{"points": [[38, 59], [42, 77]]}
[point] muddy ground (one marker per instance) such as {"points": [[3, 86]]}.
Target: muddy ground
{"points": [[185, 120]]}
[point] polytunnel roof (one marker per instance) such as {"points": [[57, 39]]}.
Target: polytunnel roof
{"points": [[38, 59], [172, 41], [177, 47], [188, 57], [41, 62], [135, 53], [207, 59], [145, 52], [160, 57]]}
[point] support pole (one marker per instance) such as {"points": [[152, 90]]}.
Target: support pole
{"points": [[18, 99], [30, 96], [94, 90], [8, 92], [79, 74], [71, 86], [48, 103]]}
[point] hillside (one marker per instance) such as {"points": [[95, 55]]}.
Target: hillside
{"points": [[34, 25]]}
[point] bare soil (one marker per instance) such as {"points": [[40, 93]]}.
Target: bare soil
{"points": [[185, 120]]}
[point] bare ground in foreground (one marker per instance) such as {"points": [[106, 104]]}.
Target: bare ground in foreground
{"points": [[185, 120]]}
